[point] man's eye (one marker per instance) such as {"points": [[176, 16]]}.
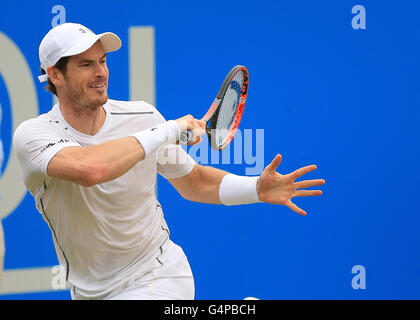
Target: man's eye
{"points": [[103, 61], [85, 65]]}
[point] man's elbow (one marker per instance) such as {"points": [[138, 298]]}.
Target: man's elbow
{"points": [[91, 174]]}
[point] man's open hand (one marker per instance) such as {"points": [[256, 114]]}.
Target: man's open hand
{"points": [[276, 188]]}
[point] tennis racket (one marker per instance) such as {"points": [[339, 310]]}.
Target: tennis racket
{"points": [[225, 113]]}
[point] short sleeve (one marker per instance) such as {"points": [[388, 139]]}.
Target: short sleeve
{"points": [[36, 142], [172, 160]]}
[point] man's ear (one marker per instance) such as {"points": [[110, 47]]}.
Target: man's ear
{"points": [[55, 76]]}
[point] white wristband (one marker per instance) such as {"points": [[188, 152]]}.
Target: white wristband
{"points": [[234, 190], [161, 134]]}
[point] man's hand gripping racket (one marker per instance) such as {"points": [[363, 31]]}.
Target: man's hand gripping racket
{"points": [[222, 119]]}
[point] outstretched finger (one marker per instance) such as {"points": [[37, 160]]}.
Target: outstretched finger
{"points": [[275, 163], [309, 183], [302, 171], [295, 208], [307, 193]]}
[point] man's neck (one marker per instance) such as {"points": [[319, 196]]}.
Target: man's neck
{"points": [[88, 120]]}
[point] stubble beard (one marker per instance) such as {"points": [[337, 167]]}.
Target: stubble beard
{"points": [[82, 104]]}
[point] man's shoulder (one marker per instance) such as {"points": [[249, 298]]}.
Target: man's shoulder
{"points": [[119, 106], [41, 121]]}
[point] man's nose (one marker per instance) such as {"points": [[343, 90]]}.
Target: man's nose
{"points": [[101, 70]]}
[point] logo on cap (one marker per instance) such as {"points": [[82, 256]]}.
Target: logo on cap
{"points": [[85, 30]]}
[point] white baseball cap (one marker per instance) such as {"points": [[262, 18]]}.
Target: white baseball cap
{"points": [[69, 39]]}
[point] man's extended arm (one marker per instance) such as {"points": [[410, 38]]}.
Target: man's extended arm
{"points": [[202, 184]]}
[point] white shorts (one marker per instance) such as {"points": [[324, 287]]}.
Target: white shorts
{"points": [[166, 276]]}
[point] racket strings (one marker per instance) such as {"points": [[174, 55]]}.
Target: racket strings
{"points": [[228, 108]]}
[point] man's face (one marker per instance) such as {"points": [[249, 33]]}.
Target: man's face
{"points": [[85, 83]]}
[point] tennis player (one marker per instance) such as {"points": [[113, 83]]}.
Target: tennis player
{"points": [[91, 164]]}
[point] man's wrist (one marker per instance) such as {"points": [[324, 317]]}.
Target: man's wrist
{"points": [[236, 190]]}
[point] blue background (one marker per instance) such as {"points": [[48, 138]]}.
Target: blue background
{"points": [[324, 93]]}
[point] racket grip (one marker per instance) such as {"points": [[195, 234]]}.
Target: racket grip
{"points": [[186, 136]]}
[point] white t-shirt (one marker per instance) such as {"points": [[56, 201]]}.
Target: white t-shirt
{"points": [[101, 233]]}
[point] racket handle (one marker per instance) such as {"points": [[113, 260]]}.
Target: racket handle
{"points": [[186, 136]]}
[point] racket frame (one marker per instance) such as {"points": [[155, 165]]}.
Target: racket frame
{"points": [[211, 116]]}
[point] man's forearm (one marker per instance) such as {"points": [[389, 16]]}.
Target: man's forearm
{"points": [[201, 184]]}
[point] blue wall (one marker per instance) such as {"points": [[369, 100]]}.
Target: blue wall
{"points": [[345, 99]]}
